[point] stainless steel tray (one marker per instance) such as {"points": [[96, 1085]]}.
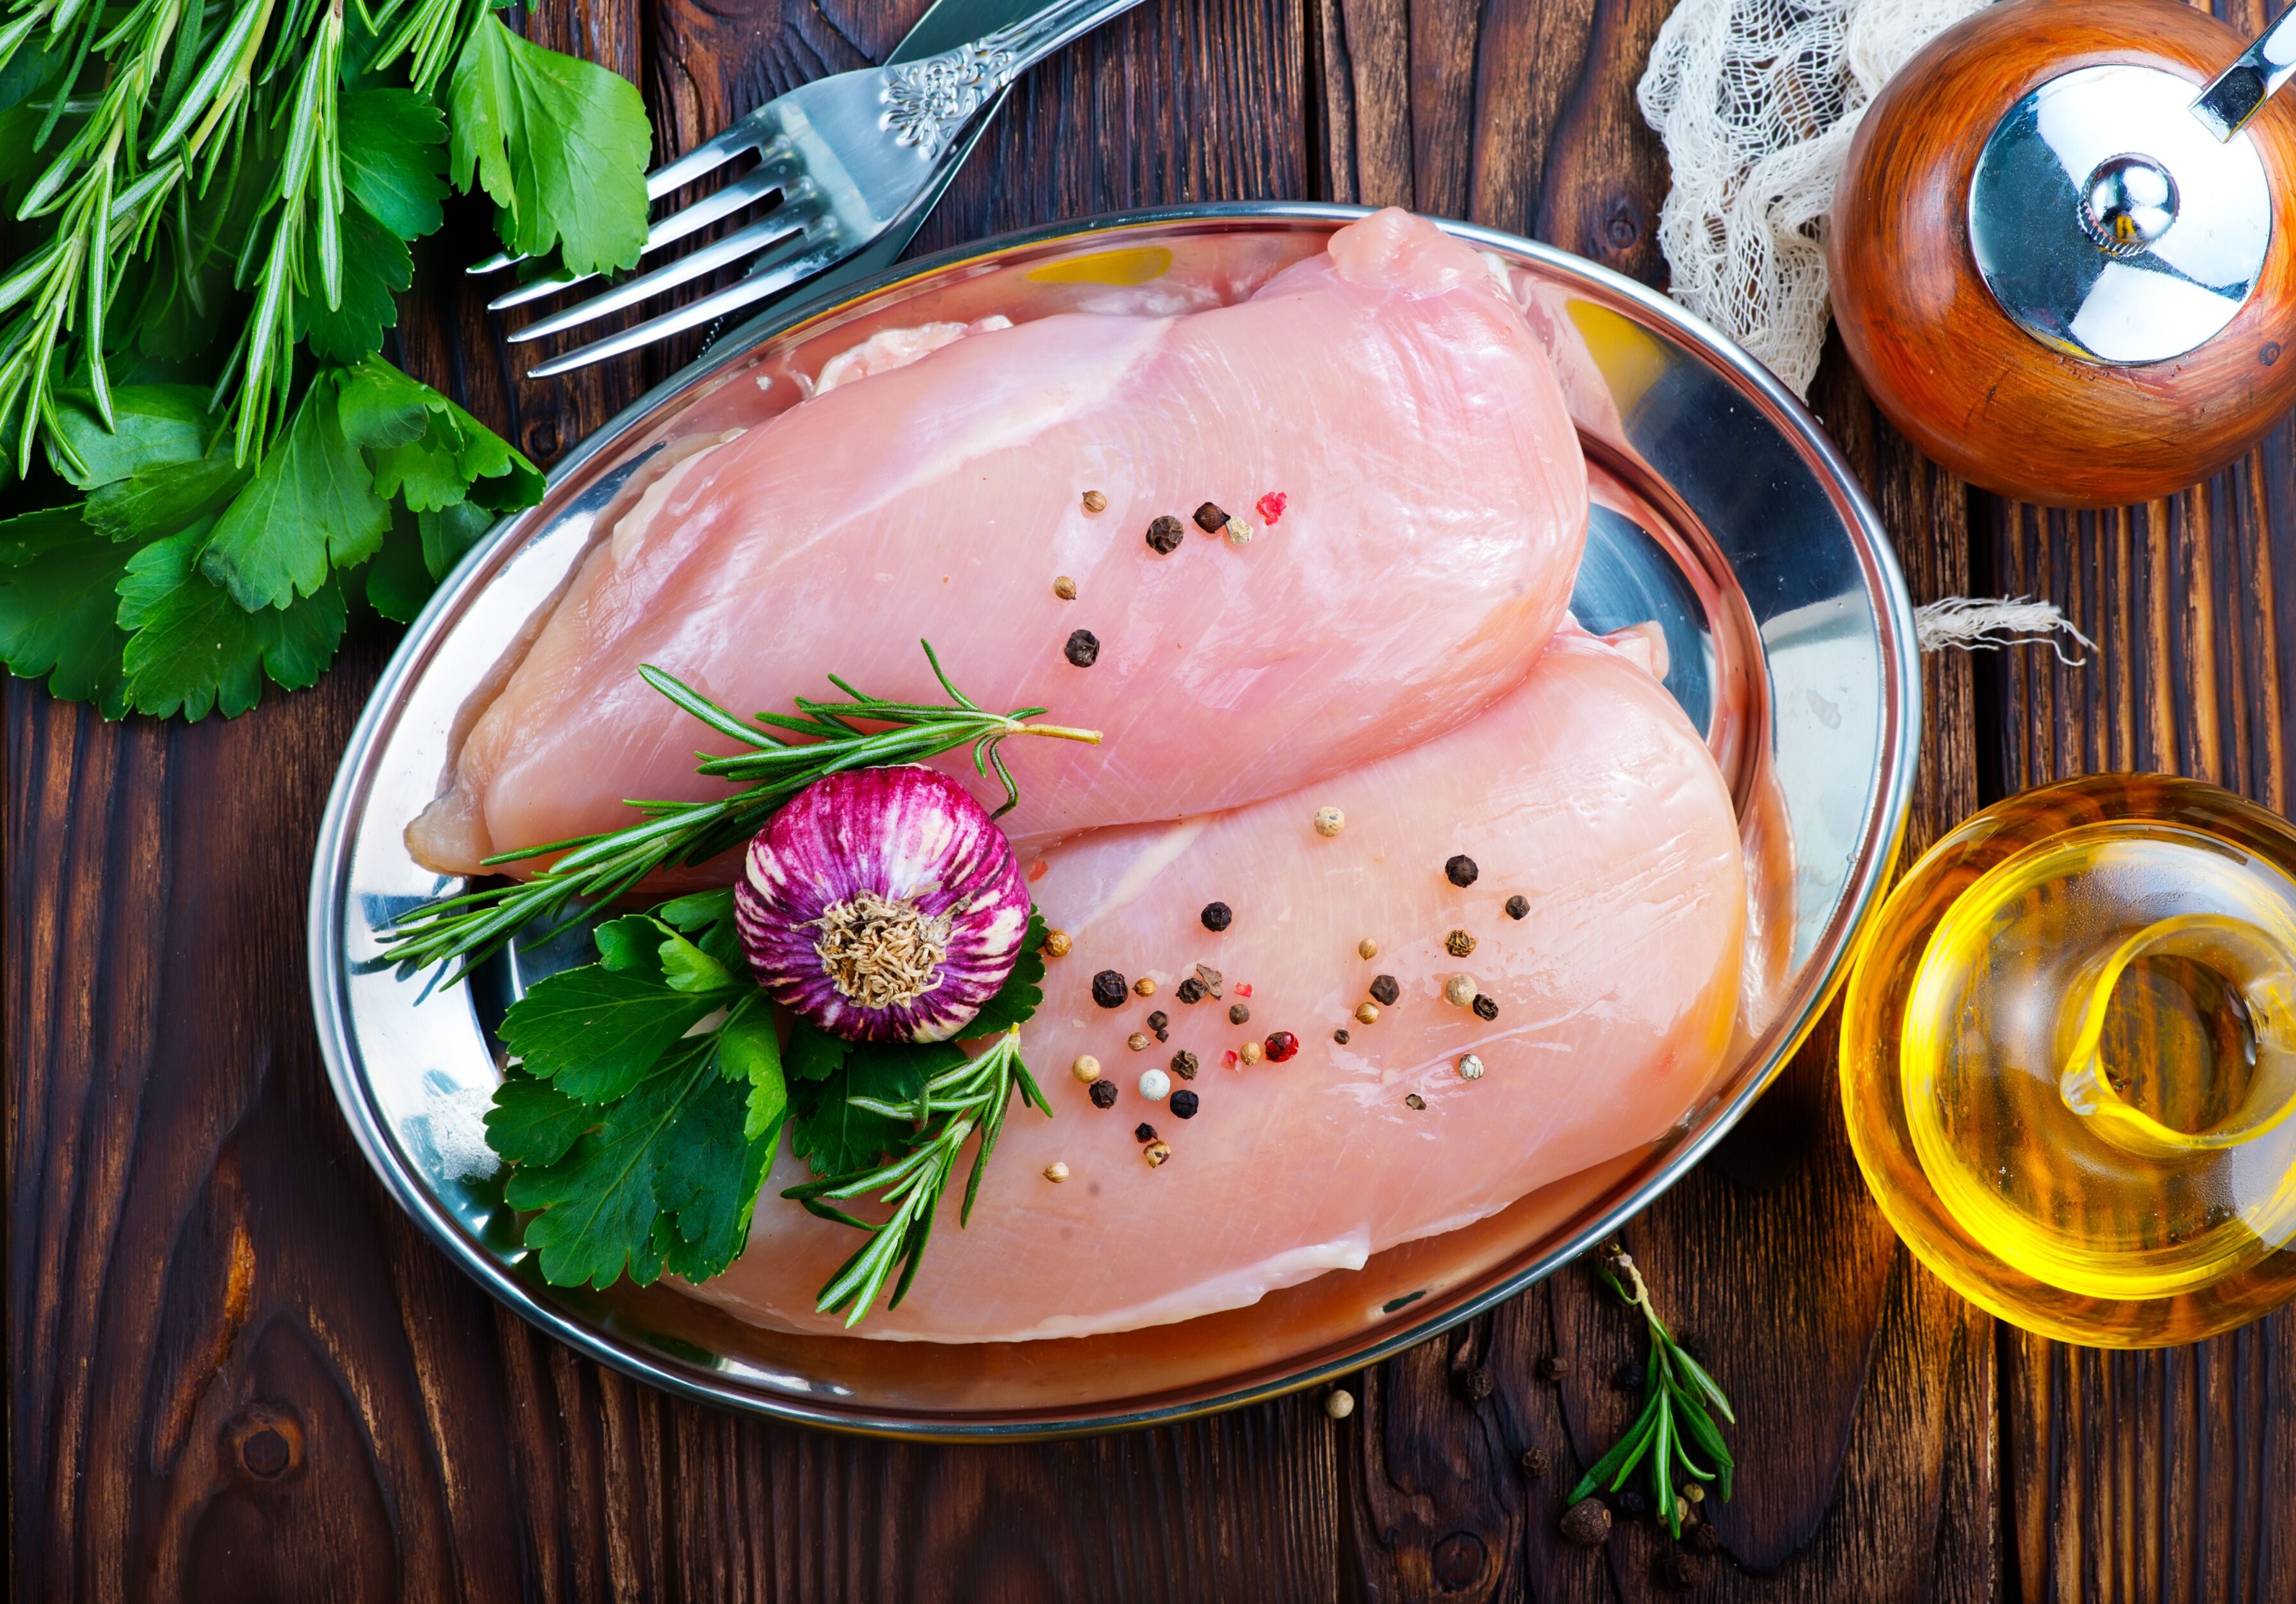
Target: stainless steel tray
{"points": [[1722, 511]]}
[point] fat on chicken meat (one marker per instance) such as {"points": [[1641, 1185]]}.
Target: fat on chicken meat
{"points": [[1389, 390], [1584, 790]]}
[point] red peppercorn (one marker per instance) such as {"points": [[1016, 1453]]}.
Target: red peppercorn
{"points": [[1282, 1044]]}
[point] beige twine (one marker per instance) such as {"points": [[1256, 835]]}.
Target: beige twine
{"points": [[1986, 623]]}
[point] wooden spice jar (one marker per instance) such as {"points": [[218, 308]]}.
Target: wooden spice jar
{"points": [[2051, 274]]}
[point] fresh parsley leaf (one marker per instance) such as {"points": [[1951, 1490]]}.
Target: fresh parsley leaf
{"points": [[814, 1055], [449, 533], [707, 1172], [426, 450], [375, 268], [57, 601], [750, 1052], [158, 425], [687, 968], [312, 501], [631, 945], [1016, 1001], [378, 406], [836, 1138], [533, 1122], [397, 581], [194, 649], [393, 154], [596, 1031], [708, 917], [558, 145], [160, 497]]}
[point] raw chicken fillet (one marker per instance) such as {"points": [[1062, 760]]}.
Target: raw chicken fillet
{"points": [[1584, 790], [1390, 390]]}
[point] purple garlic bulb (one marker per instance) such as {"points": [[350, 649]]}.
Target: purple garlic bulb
{"points": [[882, 905]]}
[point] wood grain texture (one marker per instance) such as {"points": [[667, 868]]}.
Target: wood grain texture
{"points": [[237, 1371], [1975, 390]]}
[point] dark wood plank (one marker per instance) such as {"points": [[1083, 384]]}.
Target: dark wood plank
{"points": [[2164, 1474], [1865, 1388]]}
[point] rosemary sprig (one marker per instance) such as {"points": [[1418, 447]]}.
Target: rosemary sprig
{"points": [[949, 1109], [596, 868], [1679, 1400]]}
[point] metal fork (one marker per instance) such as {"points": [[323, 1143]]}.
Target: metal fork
{"points": [[852, 157]]}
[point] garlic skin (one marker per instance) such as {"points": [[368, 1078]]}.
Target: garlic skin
{"points": [[883, 906]]}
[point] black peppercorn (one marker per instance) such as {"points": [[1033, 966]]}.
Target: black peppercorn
{"points": [[1630, 1377], [1518, 907], [1553, 1368], [1217, 916], [1485, 1009], [1159, 1020], [1384, 990], [1184, 1064], [1109, 989], [1477, 1385], [1184, 1104], [1535, 1463], [1238, 1014], [1083, 649], [1705, 1539], [1144, 1133], [1103, 1094], [1459, 870], [1633, 1504], [1164, 535], [1680, 1570], [1341, 1036], [1191, 990], [1209, 519]]}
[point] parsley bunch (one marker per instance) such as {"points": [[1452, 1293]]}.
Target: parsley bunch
{"points": [[640, 1141], [212, 204]]}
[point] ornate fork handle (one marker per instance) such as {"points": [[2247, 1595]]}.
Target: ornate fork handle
{"points": [[929, 102]]}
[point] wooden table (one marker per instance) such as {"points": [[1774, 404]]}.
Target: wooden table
{"points": [[237, 1372]]}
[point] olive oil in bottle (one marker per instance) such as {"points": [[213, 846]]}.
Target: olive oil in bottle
{"points": [[2069, 1060]]}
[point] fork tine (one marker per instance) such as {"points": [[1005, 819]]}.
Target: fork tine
{"points": [[760, 180], [775, 227], [744, 133], [797, 268]]}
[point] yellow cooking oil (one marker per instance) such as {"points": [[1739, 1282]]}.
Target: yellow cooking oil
{"points": [[2069, 1060]]}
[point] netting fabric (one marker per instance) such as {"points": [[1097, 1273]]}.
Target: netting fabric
{"points": [[1755, 102]]}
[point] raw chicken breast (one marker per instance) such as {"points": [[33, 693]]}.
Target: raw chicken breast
{"points": [[1584, 790], [1389, 389]]}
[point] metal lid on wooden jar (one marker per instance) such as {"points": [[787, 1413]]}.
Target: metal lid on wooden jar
{"points": [[2112, 223]]}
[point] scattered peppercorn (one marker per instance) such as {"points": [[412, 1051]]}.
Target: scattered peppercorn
{"points": [[1412, 1099], [1184, 1105], [1094, 502], [1139, 1041], [1518, 907], [1459, 943], [1103, 1094], [1341, 1036], [1065, 588], [1629, 1378], [1705, 1540], [1057, 943], [1485, 1009], [1155, 1085], [1384, 990], [1553, 1368], [1460, 869], [1281, 1046], [1459, 991], [1367, 1013], [1144, 1132], [1535, 1463], [1270, 506], [1164, 535], [1339, 1402], [1680, 1570], [1217, 916], [1085, 1068], [1476, 1385], [1238, 1014], [1184, 1064], [1239, 533], [1083, 649], [1366, 948], [1586, 1523], [1250, 1052], [1209, 519], [1155, 1152], [1109, 990], [1190, 990], [1144, 987], [1471, 1068], [1159, 1021], [1633, 1503], [1056, 1171], [1329, 821], [1694, 1493]]}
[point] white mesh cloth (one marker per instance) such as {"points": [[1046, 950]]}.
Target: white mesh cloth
{"points": [[1755, 102]]}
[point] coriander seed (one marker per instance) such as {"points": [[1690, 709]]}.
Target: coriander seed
{"points": [[1109, 989], [1484, 1007], [1085, 1068], [1238, 1014], [1139, 1041], [1184, 1104], [1209, 519], [1164, 536], [1459, 990], [1065, 588], [1144, 987], [1330, 822], [1384, 990], [1083, 649], [1155, 1152], [1094, 502], [1366, 948], [1103, 1094], [1471, 1066], [1460, 869], [1217, 917], [1518, 906], [1250, 1052], [1459, 943], [1057, 943], [1367, 1013]]}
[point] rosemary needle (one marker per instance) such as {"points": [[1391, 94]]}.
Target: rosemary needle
{"points": [[472, 926]]}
